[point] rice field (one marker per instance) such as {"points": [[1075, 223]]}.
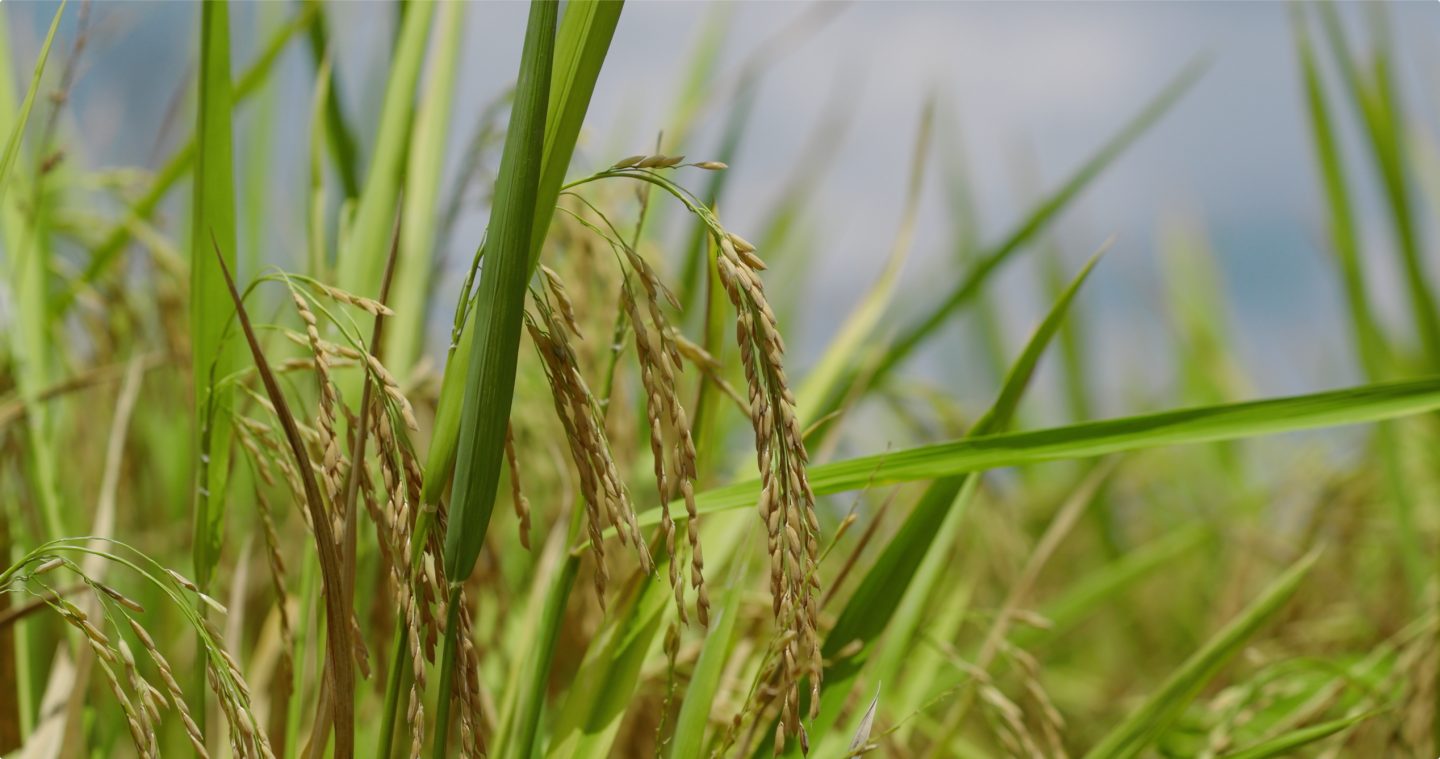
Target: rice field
{"points": [[245, 512]]}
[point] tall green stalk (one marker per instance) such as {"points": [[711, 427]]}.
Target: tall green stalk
{"points": [[212, 215], [212, 218]]}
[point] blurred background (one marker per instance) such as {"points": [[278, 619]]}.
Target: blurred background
{"points": [[1024, 94]]}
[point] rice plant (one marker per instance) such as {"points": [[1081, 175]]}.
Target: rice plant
{"points": [[242, 512]]}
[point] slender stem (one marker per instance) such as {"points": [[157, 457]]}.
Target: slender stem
{"points": [[393, 686], [447, 671]]}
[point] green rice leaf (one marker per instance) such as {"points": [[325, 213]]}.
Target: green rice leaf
{"points": [[495, 336], [581, 45], [317, 257], [211, 311], [535, 671], [1090, 592], [1377, 103], [1374, 354], [843, 348], [341, 140], [1160, 711], [27, 281]]}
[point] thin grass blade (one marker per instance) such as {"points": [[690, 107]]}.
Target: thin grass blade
{"points": [[29, 286], [1204, 424], [344, 148], [699, 700]]}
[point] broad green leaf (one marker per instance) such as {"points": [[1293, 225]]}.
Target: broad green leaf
{"points": [[363, 260], [1286, 744], [211, 310], [1205, 424], [495, 336], [1160, 711], [406, 336], [581, 45]]}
